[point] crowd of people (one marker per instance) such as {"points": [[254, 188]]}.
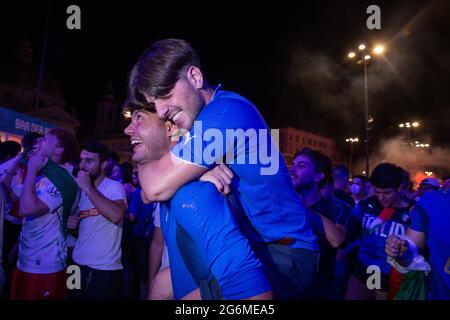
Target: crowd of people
{"points": [[173, 225]]}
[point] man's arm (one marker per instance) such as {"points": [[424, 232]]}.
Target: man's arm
{"points": [[160, 180], [334, 233], [113, 210], [30, 204], [155, 254]]}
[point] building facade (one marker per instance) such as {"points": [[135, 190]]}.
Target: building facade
{"points": [[292, 140]]}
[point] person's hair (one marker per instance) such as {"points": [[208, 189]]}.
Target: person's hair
{"points": [[341, 170], [127, 172], [114, 156], [68, 142], [406, 177], [9, 149], [446, 178], [386, 175], [29, 140], [97, 148], [359, 176], [159, 68], [321, 163]]}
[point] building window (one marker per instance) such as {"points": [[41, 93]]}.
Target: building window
{"points": [[309, 142]]}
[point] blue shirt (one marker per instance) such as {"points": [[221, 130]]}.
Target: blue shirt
{"points": [[432, 217], [220, 248], [262, 183], [373, 242], [143, 212]]}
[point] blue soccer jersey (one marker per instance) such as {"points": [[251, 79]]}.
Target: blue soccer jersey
{"points": [[432, 217], [230, 130], [219, 246], [373, 240]]}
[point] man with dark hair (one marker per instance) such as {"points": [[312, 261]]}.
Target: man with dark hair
{"points": [[341, 177], [358, 188], [206, 248], [99, 222], [310, 171], [47, 197], [167, 78], [380, 216]]}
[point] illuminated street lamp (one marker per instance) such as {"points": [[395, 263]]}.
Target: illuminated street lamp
{"points": [[408, 126], [364, 59]]}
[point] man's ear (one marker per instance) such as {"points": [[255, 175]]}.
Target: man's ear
{"points": [[318, 177], [59, 151], [195, 77]]}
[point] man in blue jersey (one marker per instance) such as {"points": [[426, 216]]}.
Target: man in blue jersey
{"points": [[204, 248], [430, 223], [228, 128], [380, 216]]}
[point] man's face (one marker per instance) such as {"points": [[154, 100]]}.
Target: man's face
{"points": [[90, 162], [181, 106], [387, 197], [116, 173], [358, 186], [36, 149], [302, 172], [49, 146], [148, 135]]}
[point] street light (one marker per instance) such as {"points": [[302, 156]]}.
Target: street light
{"points": [[364, 58], [351, 141], [418, 144], [408, 126]]}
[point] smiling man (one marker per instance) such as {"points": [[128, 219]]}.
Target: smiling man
{"points": [[168, 79], [203, 239]]}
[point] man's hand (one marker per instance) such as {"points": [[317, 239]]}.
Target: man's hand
{"points": [[395, 247], [73, 220], [83, 180], [36, 163], [220, 176]]}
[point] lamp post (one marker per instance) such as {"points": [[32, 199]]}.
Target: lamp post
{"points": [[408, 126], [351, 141], [364, 58]]}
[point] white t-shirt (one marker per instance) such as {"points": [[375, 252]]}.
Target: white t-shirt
{"points": [[98, 245], [42, 247], [157, 223]]}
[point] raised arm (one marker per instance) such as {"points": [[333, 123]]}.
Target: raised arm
{"points": [[162, 179]]}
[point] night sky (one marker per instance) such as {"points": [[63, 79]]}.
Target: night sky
{"points": [[289, 58]]}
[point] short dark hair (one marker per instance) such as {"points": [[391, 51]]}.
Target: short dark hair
{"points": [[68, 142], [321, 162], [98, 148], [159, 68], [446, 178], [386, 175], [9, 149], [359, 176], [341, 170]]}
